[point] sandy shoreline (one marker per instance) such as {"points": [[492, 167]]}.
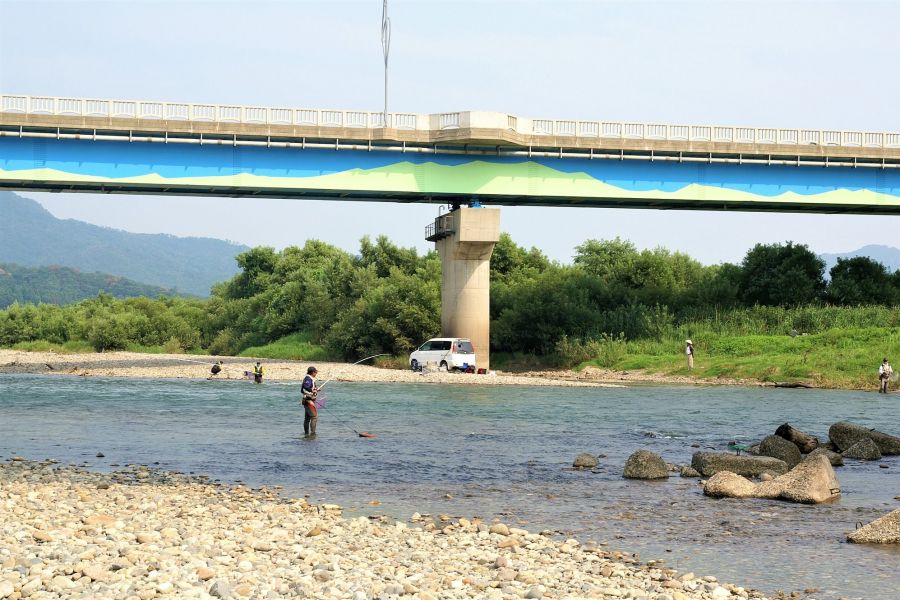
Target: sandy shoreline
{"points": [[185, 366], [139, 534]]}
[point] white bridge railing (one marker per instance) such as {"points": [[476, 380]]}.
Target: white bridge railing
{"points": [[230, 113]]}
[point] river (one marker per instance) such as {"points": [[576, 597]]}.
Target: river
{"points": [[496, 451]]}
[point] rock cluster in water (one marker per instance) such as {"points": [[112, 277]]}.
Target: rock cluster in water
{"points": [[142, 534]]}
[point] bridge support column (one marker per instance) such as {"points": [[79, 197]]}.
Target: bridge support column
{"points": [[465, 240]]}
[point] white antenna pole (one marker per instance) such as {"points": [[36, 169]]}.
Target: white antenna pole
{"points": [[386, 49]]}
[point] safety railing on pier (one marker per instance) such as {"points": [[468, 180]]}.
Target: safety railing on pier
{"points": [[325, 118]]}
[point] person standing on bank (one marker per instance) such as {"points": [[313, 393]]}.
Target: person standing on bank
{"points": [[216, 369], [884, 375], [257, 373], [310, 391], [689, 351]]}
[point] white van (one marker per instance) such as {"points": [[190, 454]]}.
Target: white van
{"points": [[448, 353]]}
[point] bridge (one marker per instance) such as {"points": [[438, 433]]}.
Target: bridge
{"points": [[454, 158]]}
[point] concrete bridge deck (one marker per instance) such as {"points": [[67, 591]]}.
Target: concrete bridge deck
{"points": [[471, 132]]}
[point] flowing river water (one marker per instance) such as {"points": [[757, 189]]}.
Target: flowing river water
{"points": [[496, 451]]}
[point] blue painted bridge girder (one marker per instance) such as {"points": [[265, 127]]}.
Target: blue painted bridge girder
{"points": [[353, 172]]}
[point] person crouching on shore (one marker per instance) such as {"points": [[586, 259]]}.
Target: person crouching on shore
{"points": [[885, 371], [310, 391]]}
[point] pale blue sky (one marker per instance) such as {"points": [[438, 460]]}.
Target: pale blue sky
{"points": [[789, 64]]}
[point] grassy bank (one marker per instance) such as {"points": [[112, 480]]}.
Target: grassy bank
{"points": [[291, 347], [836, 358]]}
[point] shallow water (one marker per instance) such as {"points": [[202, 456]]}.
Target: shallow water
{"points": [[496, 451]]}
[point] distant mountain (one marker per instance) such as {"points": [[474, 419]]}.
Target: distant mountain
{"points": [[31, 236], [886, 255], [63, 285]]}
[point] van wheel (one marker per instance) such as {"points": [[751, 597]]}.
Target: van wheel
{"points": [[444, 366], [414, 365]]}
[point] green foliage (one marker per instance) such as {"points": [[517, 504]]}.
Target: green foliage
{"points": [[615, 307], [291, 347], [781, 275], [861, 280], [62, 285]]}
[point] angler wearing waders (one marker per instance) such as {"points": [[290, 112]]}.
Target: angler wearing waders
{"points": [[257, 373], [309, 391]]}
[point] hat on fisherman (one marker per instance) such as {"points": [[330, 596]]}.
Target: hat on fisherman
{"points": [[689, 342], [885, 359], [311, 370]]}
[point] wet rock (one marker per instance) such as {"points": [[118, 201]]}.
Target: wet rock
{"points": [[884, 530], [845, 434], [835, 458], [101, 455], [864, 449], [778, 447], [644, 464], [710, 463], [811, 482], [805, 443], [688, 471], [725, 484], [585, 461]]}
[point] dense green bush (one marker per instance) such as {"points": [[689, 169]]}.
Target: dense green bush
{"points": [[318, 300]]}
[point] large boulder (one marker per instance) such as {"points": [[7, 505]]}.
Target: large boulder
{"points": [[644, 464], [864, 449], [811, 482], [834, 458], [726, 484], [778, 447], [585, 461], [884, 530], [710, 463], [805, 442], [845, 434]]}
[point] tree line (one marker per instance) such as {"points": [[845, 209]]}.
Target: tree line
{"points": [[386, 298]]}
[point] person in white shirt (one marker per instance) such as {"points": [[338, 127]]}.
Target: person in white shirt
{"points": [[884, 375], [689, 351]]}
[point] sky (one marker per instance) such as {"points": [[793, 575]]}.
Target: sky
{"points": [[816, 64]]}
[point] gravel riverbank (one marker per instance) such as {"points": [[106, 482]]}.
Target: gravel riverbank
{"points": [[140, 533], [135, 364]]}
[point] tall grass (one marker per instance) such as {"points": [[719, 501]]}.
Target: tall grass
{"points": [[296, 346], [825, 346]]}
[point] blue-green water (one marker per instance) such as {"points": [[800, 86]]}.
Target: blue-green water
{"points": [[496, 451]]}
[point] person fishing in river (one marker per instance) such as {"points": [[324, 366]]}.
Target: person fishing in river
{"points": [[885, 371], [257, 373], [309, 392]]}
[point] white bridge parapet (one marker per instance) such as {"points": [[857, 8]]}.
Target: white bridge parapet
{"points": [[436, 122]]}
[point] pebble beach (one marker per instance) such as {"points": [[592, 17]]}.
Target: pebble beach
{"points": [[182, 366], [140, 533]]}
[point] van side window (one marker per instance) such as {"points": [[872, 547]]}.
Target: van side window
{"points": [[465, 347], [426, 346], [442, 345]]}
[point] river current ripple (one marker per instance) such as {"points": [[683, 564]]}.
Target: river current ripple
{"points": [[496, 451]]}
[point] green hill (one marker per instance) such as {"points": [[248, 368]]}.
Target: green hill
{"points": [[31, 236], [63, 285]]}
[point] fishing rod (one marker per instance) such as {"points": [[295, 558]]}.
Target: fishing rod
{"points": [[356, 363], [362, 434]]}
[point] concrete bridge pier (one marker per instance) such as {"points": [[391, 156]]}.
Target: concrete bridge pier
{"points": [[465, 240]]}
